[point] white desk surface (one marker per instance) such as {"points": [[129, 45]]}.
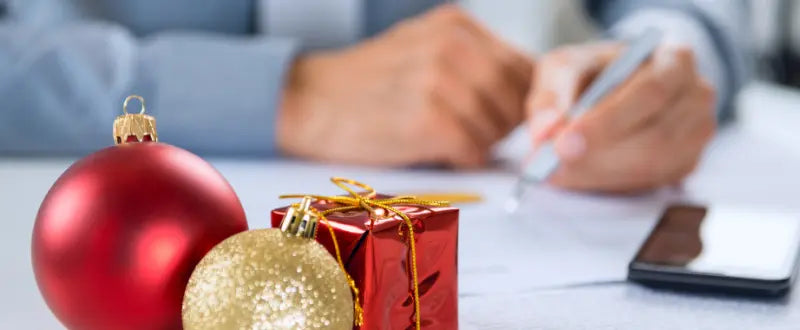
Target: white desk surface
{"points": [[754, 161]]}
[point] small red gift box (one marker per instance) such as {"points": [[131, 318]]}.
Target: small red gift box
{"points": [[377, 256]]}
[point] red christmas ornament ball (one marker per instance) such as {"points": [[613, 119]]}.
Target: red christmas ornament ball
{"points": [[120, 232]]}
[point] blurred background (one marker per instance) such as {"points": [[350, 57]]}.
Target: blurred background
{"points": [[534, 25], [540, 25]]}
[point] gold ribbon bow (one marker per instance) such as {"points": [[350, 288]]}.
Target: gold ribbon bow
{"points": [[368, 201]]}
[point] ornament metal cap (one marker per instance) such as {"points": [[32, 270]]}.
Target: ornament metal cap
{"points": [[134, 127], [300, 220]]}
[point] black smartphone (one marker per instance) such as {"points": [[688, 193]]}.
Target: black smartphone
{"points": [[723, 249]]}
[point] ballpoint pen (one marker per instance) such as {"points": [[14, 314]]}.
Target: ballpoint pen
{"points": [[546, 160]]}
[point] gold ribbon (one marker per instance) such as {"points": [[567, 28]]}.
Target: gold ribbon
{"points": [[367, 201]]}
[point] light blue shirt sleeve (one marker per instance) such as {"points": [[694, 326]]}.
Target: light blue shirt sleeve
{"points": [[62, 82]]}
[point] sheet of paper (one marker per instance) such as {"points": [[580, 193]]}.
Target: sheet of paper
{"points": [[555, 239]]}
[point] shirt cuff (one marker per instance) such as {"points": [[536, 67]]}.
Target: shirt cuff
{"points": [[215, 94], [681, 28]]}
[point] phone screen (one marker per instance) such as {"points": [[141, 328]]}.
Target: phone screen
{"points": [[724, 241]]}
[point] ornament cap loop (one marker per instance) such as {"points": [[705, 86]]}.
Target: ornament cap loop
{"points": [[137, 127], [300, 220], [131, 97]]}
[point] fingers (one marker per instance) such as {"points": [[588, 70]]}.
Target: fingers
{"points": [[473, 67], [694, 123], [656, 84], [560, 78], [437, 88], [471, 87], [516, 64], [698, 120], [453, 145], [477, 116], [662, 152], [485, 63]]}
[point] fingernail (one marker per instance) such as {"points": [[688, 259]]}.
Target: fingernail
{"points": [[542, 120], [571, 146]]}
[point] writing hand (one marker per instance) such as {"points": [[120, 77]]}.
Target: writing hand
{"points": [[649, 132]]}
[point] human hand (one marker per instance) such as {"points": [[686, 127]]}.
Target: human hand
{"points": [[434, 89], [649, 132]]}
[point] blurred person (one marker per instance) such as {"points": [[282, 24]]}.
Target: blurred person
{"points": [[377, 82]]}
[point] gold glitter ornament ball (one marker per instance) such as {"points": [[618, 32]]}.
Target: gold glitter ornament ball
{"points": [[267, 279]]}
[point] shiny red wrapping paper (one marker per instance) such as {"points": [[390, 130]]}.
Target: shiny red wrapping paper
{"points": [[377, 256]]}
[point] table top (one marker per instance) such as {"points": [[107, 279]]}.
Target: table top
{"points": [[574, 279]]}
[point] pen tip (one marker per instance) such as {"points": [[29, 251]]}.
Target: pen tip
{"points": [[516, 196]]}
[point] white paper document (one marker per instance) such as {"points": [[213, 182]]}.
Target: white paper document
{"points": [[555, 239]]}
